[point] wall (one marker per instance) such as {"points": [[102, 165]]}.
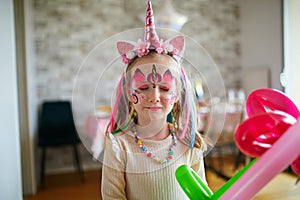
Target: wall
{"points": [[261, 37], [66, 31], [10, 167], [292, 48], [238, 34]]}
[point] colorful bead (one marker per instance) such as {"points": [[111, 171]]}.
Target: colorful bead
{"points": [[144, 148], [153, 156]]}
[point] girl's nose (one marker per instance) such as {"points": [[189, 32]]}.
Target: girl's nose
{"points": [[155, 95]]}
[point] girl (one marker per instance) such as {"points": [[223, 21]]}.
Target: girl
{"points": [[152, 127]]}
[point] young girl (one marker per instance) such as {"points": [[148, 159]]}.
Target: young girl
{"points": [[152, 128]]}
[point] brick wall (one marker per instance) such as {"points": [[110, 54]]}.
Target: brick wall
{"points": [[66, 31]]}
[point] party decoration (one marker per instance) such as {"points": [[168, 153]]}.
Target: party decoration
{"points": [[270, 114], [272, 133], [272, 162], [192, 184], [270, 100], [196, 189], [232, 180], [253, 137], [169, 18]]}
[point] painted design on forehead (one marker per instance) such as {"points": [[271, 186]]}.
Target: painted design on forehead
{"points": [[167, 77], [139, 76], [154, 74], [153, 77]]}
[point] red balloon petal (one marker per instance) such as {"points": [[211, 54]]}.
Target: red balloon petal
{"points": [[265, 100], [296, 166], [257, 134]]}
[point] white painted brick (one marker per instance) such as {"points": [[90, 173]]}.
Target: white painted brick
{"points": [[66, 31]]}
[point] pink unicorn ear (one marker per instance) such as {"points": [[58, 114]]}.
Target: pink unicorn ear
{"points": [[125, 47], [178, 43]]}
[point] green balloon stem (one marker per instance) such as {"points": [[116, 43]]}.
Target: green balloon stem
{"points": [[231, 181], [196, 189]]}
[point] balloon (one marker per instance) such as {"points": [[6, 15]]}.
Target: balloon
{"points": [[296, 165], [257, 134], [195, 188], [192, 184], [231, 181], [265, 100], [270, 113], [271, 133], [276, 159]]}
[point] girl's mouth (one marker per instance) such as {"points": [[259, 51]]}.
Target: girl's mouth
{"points": [[154, 108]]}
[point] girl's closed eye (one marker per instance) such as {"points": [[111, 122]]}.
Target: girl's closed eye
{"points": [[164, 88], [143, 87]]}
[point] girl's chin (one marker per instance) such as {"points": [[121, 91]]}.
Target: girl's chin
{"points": [[156, 115], [153, 118], [152, 128]]}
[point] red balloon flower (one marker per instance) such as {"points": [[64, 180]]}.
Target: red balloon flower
{"points": [[270, 114]]}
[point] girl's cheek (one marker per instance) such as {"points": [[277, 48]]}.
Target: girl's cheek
{"points": [[141, 96], [170, 98], [137, 98], [134, 98]]}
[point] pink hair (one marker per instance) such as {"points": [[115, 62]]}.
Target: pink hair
{"points": [[188, 106], [115, 107]]}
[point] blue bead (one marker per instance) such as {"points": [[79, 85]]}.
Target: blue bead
{"points": [[144, 148]]}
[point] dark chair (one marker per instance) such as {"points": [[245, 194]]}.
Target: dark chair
{"points": [[56, 129]]}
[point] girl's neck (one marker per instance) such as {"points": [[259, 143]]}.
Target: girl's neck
{"points": [[155, 130]]}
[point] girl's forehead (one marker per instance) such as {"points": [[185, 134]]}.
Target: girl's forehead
{"points": [[152, 68]]}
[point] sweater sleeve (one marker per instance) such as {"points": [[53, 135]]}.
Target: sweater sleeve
{"points": [[113, 176]]}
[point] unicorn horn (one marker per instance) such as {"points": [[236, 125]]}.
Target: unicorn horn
{"points": [[151, 36]]}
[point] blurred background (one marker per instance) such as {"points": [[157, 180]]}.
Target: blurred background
{"points": [[47, 41]]}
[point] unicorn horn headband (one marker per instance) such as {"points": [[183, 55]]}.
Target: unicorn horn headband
{"points": [[173, 47]]}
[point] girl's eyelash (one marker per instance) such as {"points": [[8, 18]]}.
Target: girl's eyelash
{"points": [[165, 89], [143, 88], [137, 92]]}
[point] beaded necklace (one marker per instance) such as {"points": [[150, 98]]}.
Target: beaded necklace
{"points": [[152, 155]]}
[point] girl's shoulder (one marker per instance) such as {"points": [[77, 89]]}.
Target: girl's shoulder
{"points": [[122, 135], [121, 139]]}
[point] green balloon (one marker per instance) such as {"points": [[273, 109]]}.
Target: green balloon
{"points": [[196, 189], [231, 181], [192, 184]]}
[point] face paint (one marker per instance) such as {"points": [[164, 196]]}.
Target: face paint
{"points": [[154, 76], [168, 78], [136, 93], [153, 91], [159, 77], [171, 100]]}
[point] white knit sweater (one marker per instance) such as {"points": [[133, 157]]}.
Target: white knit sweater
{"points": [[129, 174]]}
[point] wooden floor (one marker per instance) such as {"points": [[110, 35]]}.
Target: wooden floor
{"points": [[69, 187]]}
